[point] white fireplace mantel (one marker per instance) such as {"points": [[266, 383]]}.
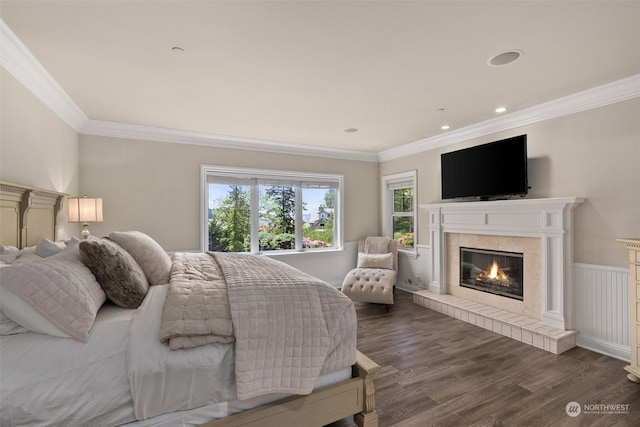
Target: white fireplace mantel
{"points": [[550, 219]]}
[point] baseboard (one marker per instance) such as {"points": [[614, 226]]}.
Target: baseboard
{"points": [[604, 347]]}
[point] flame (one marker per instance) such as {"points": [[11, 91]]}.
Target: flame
{"points": [[493, 271], [494, 276]]}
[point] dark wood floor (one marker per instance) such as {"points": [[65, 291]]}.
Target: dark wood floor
{"points": [[440, 371]]}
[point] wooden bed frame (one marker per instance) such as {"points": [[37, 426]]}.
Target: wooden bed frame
{"points": [[28, 215], [322, 407]]}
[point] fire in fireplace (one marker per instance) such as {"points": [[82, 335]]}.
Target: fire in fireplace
{"points": [[496, 272]]}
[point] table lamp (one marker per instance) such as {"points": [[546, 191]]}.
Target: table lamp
{"points": [[85, 210]]}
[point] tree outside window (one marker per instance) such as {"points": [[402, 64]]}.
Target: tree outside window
{"points": [[230, 219], [247, 214], [399, 209], [277, 218], [403, 217]]}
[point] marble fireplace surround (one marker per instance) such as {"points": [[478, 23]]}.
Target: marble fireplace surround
{"points": [[549, 220], [529, 306]]}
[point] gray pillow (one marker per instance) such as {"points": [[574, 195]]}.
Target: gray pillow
{"points": [[118, 273], [153, 260]]}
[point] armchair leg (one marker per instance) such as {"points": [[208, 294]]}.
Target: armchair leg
{"points": [[386, 308]]}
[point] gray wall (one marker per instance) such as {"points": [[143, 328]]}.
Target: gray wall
{"points": [[154, 187], [37, 148]]}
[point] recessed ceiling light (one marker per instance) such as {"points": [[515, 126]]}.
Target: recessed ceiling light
{"points": [[351, 130], [501, 109], [504, 58], [445, 127]]}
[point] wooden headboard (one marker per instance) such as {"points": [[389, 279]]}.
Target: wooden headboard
{"points": [[28, 214]]}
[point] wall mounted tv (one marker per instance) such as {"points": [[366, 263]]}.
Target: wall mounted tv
{"points": [[495, 170]]}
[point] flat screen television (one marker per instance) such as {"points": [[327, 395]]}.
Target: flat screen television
{"points": [[489, 171]]}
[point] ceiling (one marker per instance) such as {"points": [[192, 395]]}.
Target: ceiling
{"points": [[302, 72]]}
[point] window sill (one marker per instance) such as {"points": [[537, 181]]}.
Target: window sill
{"points": [[277, 254]]}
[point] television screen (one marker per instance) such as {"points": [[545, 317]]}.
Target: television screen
{"points": [[488, 171]]}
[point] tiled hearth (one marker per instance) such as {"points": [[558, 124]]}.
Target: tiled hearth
{"points": [[521, 328]]}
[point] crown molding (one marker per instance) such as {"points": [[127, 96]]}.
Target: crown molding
{"points": [[21, 64], [610, 93], [16, 58], [175, 136]]}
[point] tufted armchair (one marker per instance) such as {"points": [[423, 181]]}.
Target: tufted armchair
{"points": [[374, 277]]}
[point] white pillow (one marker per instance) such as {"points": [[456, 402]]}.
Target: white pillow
{"points": [[46, 248], [57, 296], [375, 260], [15, 308], [8, 254], [149, 255], [9, 327]]}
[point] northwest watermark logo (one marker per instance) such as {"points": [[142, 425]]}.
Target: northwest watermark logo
{"points": [[573, 409]]}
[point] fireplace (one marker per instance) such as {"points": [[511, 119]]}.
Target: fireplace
{"points": [[495, 272], [548, 271]]}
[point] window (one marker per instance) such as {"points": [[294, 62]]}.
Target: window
{"points": [[251, 210], [399, 201]]}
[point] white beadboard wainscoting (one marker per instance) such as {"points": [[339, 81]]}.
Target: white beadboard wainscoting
{"points": [[601, 301], [413, 269], [601, 306]]}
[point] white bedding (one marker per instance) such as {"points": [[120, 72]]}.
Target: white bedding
{"points": [[45, 378], [163, 380]]}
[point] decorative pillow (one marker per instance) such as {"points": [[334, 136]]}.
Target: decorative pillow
{"points": [[46, 248], [153, 260], [375, 261], [8, 254], [56, 296], [118, 273]]}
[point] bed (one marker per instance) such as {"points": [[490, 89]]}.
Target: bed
{"points": [[118, 372]]}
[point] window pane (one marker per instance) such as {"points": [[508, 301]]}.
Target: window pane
{"points": [[403, 200], [229, 218], [277, 217], [318, 215], [255, 210], [403, 231]]}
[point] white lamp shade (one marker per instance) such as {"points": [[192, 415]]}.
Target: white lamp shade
{"points": [[85, 209]]}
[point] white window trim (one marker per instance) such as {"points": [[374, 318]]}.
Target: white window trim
{"points": [[387, 208], [206, 170]]}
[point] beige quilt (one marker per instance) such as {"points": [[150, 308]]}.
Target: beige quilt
{"points": [[289, 327], [196, 311]]}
